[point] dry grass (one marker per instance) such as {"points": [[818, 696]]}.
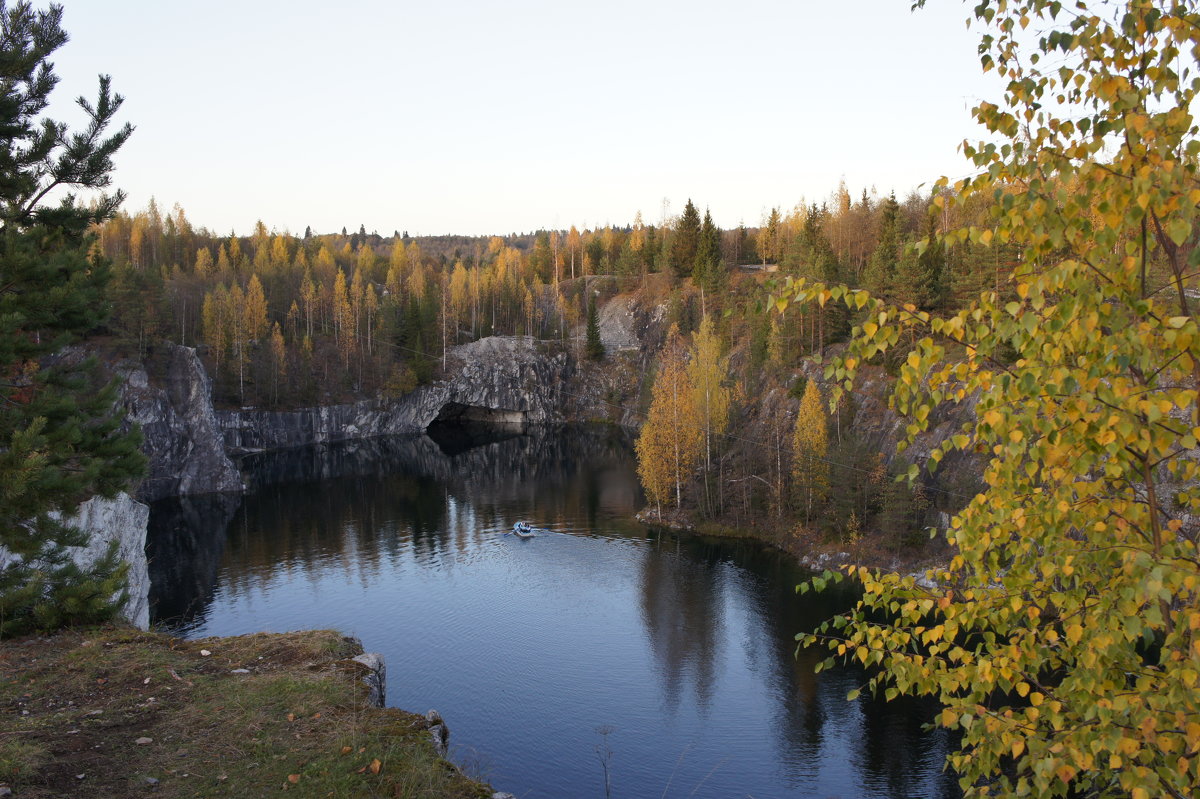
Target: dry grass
{"points": [[73, 706]]}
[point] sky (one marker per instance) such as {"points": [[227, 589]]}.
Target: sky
{"points": [[485, 118]]}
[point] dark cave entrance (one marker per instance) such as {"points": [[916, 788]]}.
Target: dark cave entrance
{"points": [[460, 427]]}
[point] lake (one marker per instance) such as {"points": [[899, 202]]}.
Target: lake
{"points": [[598, 646]]}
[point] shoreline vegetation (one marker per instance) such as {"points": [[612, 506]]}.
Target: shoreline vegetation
{"points": [[112, 711]]}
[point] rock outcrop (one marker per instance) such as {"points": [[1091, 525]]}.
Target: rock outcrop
{"points": [[121, 519], [502, 380], [179, 428], [375, 677]]}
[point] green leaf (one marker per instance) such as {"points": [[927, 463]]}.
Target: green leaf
{"points": [[1179, 229]]}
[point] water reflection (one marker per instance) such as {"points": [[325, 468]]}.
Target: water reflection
{"points": [[685, 646], [184, 546], [682, 613]]}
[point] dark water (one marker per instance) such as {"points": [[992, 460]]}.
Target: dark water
{"points": [[668, 659]]}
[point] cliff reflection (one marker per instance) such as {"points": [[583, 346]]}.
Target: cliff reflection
{"points": [[185, 540], [345, 506], [690, 639]]}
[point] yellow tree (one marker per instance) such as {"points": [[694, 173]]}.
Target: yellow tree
{"points": [[278, 360], [1063, 637], [707, 372], [281, 258], [236, 318], [204, 262], [343, 316], [671, 440], [310, 298], [457, 301], [224, 265], [810, 444], [214, 329], [574, 248], [254, 310]]}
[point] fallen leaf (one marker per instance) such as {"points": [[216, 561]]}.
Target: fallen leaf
{"points": [[376, 765], [316, 715], [291, 716], [293, 778], [347, 750]]}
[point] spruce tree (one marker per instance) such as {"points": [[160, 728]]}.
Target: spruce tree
{"points": [[595, 347], [881, 269], [686, 241], [708, 270], [918, 277], [60, 439]]}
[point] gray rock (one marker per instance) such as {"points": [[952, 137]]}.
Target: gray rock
{"points": [[505, 380], [376, 677], [439, 732], [123, 520], [179, 429]]}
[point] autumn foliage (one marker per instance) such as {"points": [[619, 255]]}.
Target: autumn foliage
{"points": [[1063, 639]]}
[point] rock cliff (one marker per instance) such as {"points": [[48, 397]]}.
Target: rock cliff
{"points": [[506, 380], [179, 428], [121, 519]]}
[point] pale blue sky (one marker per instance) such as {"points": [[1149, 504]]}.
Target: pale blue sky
{"points": [[487, 117]]}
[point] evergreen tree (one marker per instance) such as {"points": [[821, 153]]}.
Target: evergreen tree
{"points": [[881, 269], [768, 238], [60, 440], [686, 241], [708, 269], [918, 278], [595, 347]]}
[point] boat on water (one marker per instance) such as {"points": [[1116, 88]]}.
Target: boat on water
{"points": [[523, 530]]}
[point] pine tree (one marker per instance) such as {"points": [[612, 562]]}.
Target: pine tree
{"points": [[595, 347], [685, 241], [60, 439]]}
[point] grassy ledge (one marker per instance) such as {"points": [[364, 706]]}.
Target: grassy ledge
{"points": [[116, 712]]}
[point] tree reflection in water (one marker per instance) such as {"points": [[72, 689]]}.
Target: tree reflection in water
{"points": [[684, 645]]}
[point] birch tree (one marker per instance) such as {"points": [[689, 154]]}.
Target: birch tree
{"points": [[1063, 637]]}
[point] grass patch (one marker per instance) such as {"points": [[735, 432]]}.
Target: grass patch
{"points": [[74, 706]]}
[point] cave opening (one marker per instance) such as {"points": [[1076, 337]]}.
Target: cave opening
{"points": [[460, 427]]}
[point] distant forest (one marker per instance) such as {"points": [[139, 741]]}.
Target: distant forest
{"points": [[285, 320]]}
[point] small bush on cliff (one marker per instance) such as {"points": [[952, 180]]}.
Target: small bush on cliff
{"points": [[60, 440]]}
